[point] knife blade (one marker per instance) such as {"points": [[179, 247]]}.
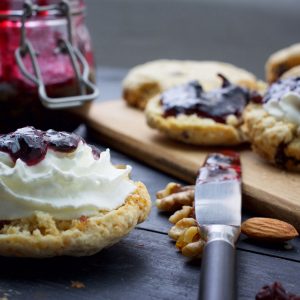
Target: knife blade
{"points": [[218, 213]]}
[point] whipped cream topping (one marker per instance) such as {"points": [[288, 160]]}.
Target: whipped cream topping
{"points": [[66, 185], [283, 100]]}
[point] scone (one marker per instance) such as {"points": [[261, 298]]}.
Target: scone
{"points": [[147, 80], [282, 61], [293, 72], [273, 127], [190, 114], [60, 196]]}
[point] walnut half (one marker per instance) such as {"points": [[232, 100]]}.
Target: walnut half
{"points": [[179, 200], [174, 196]]}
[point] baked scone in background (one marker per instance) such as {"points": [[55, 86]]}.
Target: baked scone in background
{"points": [[145, 81], [281, 61], [193, 116], [273, 127]]}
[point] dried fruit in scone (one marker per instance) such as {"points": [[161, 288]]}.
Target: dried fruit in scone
{"points": [[192, 115], [60, 196], [145, 81], [282, 61], [273, 127]]}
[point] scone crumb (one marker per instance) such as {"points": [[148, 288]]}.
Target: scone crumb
{"points": [[77, 285]]}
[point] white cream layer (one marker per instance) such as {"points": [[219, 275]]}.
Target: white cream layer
{"points": [[287, 108], [66, 185]]}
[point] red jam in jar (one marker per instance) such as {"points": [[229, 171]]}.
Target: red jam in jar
{"points": [[45, 25]]}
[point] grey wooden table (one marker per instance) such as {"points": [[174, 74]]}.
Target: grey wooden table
{"points": [[145, 264]]}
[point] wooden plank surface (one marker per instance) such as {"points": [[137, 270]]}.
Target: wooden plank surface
{"points": [[268, 190], [145, 265]]}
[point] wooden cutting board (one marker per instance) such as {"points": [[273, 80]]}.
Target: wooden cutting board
{"points": [[267, 190]]}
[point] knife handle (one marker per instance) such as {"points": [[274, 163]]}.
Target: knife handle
{"points": [[218, 271]]}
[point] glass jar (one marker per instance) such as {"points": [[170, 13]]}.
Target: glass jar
{"points": [[46, 60]]}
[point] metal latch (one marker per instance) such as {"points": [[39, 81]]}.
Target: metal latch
{"points": [[79, 63]]}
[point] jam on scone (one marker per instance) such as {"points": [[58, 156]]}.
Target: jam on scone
{"points": [[31, 145], [217, 104]]}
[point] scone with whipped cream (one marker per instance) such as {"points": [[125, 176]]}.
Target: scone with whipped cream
{"points": [[145, 81], [60, 196], [190, 114], [273, 127]]}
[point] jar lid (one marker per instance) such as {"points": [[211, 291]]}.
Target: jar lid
{"points": [[14, 8]]}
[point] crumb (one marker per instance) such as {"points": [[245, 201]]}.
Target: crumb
{"points": [[287, 246], [77, 285]]}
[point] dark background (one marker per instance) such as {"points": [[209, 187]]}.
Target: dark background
{"points": [[243, 32]]}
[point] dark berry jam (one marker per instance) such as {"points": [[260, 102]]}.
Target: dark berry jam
{"points": [[31, 145], [218, 104], [220, 167], [278, 89], [275, 292], [96, 152]]}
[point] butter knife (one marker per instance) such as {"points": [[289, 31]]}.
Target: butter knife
{"points": [[218, 213]]}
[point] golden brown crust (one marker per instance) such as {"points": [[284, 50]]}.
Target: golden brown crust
{"points": [[43, 236], [282, 61], [192, 129], [293, 72], [274, 140], [147, 80]]}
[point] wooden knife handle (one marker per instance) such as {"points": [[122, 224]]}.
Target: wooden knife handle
{"points": [[218, 271]]}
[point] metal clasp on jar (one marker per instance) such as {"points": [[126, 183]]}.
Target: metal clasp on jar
{"points": [[79, 63]]}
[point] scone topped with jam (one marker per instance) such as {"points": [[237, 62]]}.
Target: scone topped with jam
{"points": [[145, 81], [60, 196], [190, 114], [273, 126]]}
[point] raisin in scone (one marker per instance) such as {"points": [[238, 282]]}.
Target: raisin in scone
{"points": [[192, 115], [60, 196], [281, 61], [273, 127], [147, 80]]}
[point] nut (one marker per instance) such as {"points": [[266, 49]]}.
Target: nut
{"points": [[190, 235], [175, 201], [170, 188], [179, 228], [184, 212], [269, 229], [194, 249], [190, 243]]}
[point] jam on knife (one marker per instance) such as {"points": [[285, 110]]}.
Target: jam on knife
{"points": [[220, 167], [218, 104], [31, 145]]}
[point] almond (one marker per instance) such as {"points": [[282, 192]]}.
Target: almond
{"points": [[269, 229]]}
